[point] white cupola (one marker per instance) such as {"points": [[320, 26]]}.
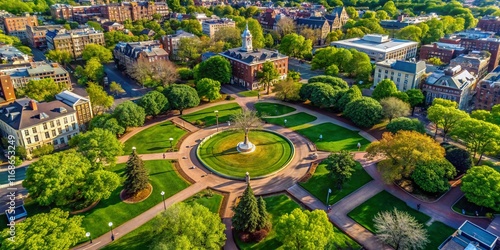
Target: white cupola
{"points": [[246, 40]]}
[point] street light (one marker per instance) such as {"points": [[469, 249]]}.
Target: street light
{"points": [[163, 198], [285, 122], [88, 236], [217, 119], [171, 140], [110, 224], [328, 196], [133, 149]]}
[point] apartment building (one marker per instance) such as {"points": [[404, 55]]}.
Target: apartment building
{"points": [[20, 76], [405, 74], [210, 27], [489, 23], [11, 55], [474, 62], [488, 91], [127, 54], [36, 124], [74, 41], [380, 47], [16, 25], [36, 35], [444, 51], [79, 103], [7, 93], [171, 42]]}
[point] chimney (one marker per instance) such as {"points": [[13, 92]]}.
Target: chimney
{"points": [[33, 105], [54, 65]]}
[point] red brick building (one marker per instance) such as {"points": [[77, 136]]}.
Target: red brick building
{"points": [[444, 51], [16, 25], [489, 23], [246, 62], [7, 93], [488, 91], [267, 18]]}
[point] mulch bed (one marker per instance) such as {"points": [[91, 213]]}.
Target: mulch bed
{"points": [[85, 209], [140, 196]]}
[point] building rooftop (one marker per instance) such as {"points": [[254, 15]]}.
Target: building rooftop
{"points": [[33, 69], [71, 98], [63, 33], [45, 27], [470, 236], [375, 42], [217, 21], [445, 46], [473, 34], [20, 114], [182, 34], [405, 66], [255, 56], [11, 54], [452, 77], [133, 49]]}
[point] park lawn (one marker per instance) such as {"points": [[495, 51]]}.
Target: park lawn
{"points": [[321, 181], [282, 204], [249, 93], [292, 120], [142, 237], [383, 201], [437, 233], [207, 116], [335, 138], [154, 139], [163, 177], [272, 109]]}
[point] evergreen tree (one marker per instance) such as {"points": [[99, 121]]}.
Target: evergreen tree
{"points": [[263, 221], [246, 213], [136, 175]]}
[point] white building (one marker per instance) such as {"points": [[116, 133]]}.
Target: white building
{"points": [[406, 75], [380, 47], [210, 27], [36, 124]]}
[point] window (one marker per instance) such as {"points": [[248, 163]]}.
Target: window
{"points": [[72, 118], [74, 126], [26, 132], [47, 135], [59, 130], [28, 140], [36, 138], [34, 129], [65, 120], [66, 128], [62, 140], [56, 142], [44, 125], [58, 122], [54, 132]]}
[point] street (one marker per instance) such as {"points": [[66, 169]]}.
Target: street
{"points": [[133, 89]]}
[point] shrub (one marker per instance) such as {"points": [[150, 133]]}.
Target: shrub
{"points": [[185, 73]]}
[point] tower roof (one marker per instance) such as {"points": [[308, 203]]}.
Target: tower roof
{"points": [[246, 32]]}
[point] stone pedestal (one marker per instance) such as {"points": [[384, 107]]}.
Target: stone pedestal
{"points": [[245, 148]]}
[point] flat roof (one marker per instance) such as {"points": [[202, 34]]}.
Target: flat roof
{"points": [[391, 45], [478, 233]]}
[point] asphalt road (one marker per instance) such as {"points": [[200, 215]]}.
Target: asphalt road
{"points": [[132, 89]]}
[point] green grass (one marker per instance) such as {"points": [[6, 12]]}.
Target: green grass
{"points": [[279, 205], [141, 238], [470, 208], [292, 120], [438, 232], [154, 139], [272, 109], [220, 153], [383, 201], [321, 181], [335, 138], [162, 176], [207, 116], [249, 93]]}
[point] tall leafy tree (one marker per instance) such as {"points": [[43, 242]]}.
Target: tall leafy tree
{"points": [[185, 226], [404, 123], [246, 214], [129, 114], [154, 103], [116, 89], [393, 107], [481, 186], [415, 98], [108, 122], [189, 49], [400, 161], [354, 93], [295, 45], [459, 158], [93, 71], [287, 90], [181, 97], [256, 31], [480, 137], [99, 145], [385, 88], [445, 117], [341, 166], [60, 56], [410, 32], [136, 175], [285, 26], [267, 75], [53, 230], [444, 103], [433, 175], [264, 217], [208, 88], [304, 229], [400, 230], [364, 112], [43, 89], [335, 82], [323, 58], [100, 52], [216, 68]]}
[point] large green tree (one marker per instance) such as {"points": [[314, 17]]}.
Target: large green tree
{"points": [[480, 137], [354, 93], [319, 94], [445, 117], [335, 82], [410, 32], [216, 68], [405, 123], [433, 175], [181, 97], [208, 88], [53, 230], [415, 98], [100, 52], [295, 45], [459, 158], [481, 186], [93, 71], [99, 146], [323, 58], [129, 114], [288, 90], [246, 214], [341, 166], [43, 90], [268, 75], [302, 229], [400, 230], [385, 88], [136, 175], [393, 107], [154, 103], [59, 56], [108, 122], [67, 178], [184, 226], [364, 112]]}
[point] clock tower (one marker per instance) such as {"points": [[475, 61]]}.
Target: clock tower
{"points": [[246, 40]]}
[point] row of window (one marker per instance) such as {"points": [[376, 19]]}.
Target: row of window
{"points": [[54, 134], [45, 126]]}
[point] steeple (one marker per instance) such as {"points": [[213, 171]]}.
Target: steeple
{"points": [[246, 40]]}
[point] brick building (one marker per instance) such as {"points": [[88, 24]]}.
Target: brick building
{"points": [[112, 26], [453, 83], [81, 104], [11, 55], [337, 18], [488, 91], [127, 54], [171, 42], [210, 27], [16, 25], [7, 93], [21, 75], [246, 62], [74, 41], [444, 51], [267, 18], [36, 35], [489, 23], [474, 62]]}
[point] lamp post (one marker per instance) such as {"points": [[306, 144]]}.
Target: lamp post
{"points": [[133, 149], [171, 140], [217, 119], [163, 198], [110, 224], [328, 196], [88, 236], [285, 122]]}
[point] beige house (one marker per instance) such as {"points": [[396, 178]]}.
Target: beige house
{"points": [[73, 41], [406, 75], [210, 27]]}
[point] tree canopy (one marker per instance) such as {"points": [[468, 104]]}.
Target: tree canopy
{"points": [[341, 166], [181, 97], [393, 107], [481, 186], [433, 175], [400, 230], [364, 112], [99, 146], [405, 123], [154, 103], [129, 114], [295, 45], [208, 88], [385, 88], [445, 117], [100, 52], [43, 89], [136, 175], [267, 75], [480, 137], [246, 214], [216, 68]]}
